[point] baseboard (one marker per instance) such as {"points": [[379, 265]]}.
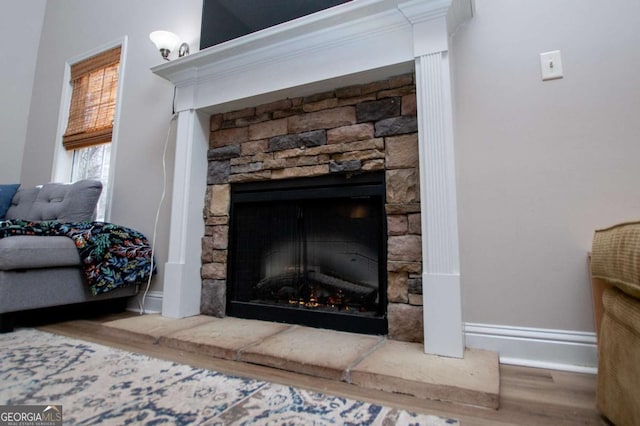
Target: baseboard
{"points": [[536, 347], [152, 302]]}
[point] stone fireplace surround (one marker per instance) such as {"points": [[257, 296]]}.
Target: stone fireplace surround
{"points": [[356, 129], [356, 43]]}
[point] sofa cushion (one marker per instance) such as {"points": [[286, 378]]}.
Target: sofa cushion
{"points": [[74, 202], [22, 202], [6, 195], [30, 251]]}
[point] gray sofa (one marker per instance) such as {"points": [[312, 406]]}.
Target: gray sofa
{"points": [[45, 271]]}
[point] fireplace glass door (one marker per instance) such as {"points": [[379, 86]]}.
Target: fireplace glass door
{"points": [[311, 254]]}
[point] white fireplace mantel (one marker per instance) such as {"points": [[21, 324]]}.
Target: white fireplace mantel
{"points": [[354, 43]]}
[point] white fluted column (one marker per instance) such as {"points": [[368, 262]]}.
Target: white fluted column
{"points": [[432, 26], [182, 283], [443, 331]]}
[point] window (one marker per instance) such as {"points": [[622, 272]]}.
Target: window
{"points": [[93, 163], [89, 128]]}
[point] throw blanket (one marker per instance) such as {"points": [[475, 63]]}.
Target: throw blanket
{"points": [[112, 255]]}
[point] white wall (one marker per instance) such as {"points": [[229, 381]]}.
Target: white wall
{"points": [[20, 28], [75, 27], [541, 165]]}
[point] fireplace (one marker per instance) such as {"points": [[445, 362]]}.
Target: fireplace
{"points": [[310, 251], [358, 42]]}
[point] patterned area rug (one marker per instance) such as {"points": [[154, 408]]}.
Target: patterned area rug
{"points": [[96, 384]]}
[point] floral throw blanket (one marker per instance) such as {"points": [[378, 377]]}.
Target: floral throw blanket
{"points": [[112, 255]]}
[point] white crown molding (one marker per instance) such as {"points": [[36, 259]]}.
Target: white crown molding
{"points": [[455, 11], [419, 11]]}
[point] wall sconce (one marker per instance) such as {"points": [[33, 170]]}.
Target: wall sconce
{"points": [[166, 42]]}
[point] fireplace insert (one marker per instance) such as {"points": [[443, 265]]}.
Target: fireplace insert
{"points": [[310, 251]]}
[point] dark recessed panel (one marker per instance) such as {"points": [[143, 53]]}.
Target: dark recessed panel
{"points": [[224, 20], [310, 251]]}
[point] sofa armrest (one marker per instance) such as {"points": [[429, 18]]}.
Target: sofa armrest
{"points": [[615, 257]]}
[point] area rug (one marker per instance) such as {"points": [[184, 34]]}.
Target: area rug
{"points": [[97, 384]]}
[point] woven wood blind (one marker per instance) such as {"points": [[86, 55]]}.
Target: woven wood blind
{"points": [[93, 100]]}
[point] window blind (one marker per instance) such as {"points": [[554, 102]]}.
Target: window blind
{"points": [[93, 100]]}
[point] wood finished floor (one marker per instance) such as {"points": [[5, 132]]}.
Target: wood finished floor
{"points": [[528, 396]]}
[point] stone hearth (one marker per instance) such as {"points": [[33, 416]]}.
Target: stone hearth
{"points": [[354, 129], [370, 362]]}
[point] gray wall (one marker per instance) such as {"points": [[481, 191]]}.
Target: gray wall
{"points": [[75, 27], [542, 164], [20, 27]]}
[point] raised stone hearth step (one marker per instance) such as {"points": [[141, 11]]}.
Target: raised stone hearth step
{"points": [[363, 360], [315, 352], [403, 367], [222, 338], [150, 328]]}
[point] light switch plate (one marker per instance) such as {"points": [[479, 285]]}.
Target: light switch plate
{"points": [[551, 65]]}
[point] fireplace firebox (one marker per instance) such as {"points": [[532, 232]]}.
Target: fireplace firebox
{"points": [[310, 251]]}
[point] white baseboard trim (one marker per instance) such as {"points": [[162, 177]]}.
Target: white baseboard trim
{"points": [[536, 347], [152, 303]]}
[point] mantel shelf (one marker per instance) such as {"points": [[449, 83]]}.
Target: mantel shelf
{"points": [[355, 38]]}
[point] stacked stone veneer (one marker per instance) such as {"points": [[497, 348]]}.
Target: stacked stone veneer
{"points": [[355, 129]]}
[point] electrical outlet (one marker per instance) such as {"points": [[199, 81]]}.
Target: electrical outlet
{"points": [[551, 65]]}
